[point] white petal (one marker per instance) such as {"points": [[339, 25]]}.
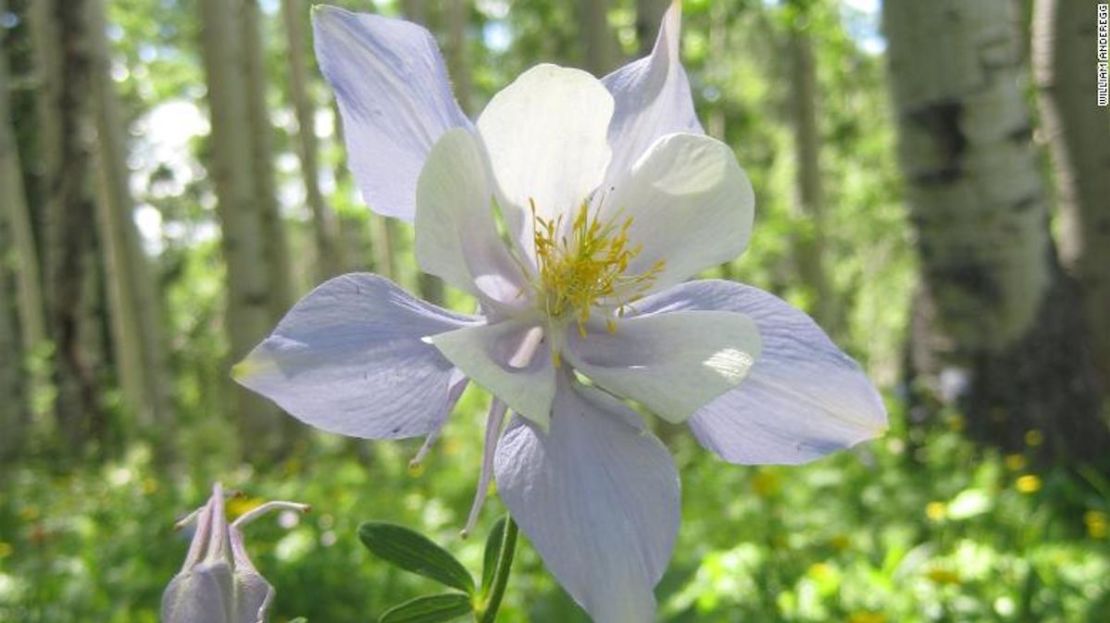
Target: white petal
{"points": [[456, 237], [350, 358], [598, 497], [545, 134], [489, 355], [652, 98], [394, 97], [691, 206], [803, 398], [672, 363]]}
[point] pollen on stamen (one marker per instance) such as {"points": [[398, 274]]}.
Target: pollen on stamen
{"points": [[586, 266]]}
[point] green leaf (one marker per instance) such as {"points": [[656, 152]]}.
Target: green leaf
{"points": [[494, 542], [299, 620], [429, 609], [414, 552]]}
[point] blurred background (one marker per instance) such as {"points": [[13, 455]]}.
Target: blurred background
{"points": [[933, 186]]}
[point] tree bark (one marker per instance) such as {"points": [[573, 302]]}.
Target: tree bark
{"points": [[649, 14], [249, 313], [809, 239], [430, 287], [329, 247], [14, 407], [457, 52], [137, 338], [1078, 134], [600, 46], [61, 42], [275, 245], [998, 329], [358, 230], [26, 339]]}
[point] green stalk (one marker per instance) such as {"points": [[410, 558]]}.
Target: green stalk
{"points": [[488, 614]]}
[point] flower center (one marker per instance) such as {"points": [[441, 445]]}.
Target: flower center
{"points": [[585, 267]]}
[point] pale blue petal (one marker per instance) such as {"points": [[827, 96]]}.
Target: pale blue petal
{"points": [[351, 358], [546, 136], [510, 360], [203, 594], [803, 397], [456, 236], [652, 97], [394, 96], [673, 364], [598, 497], [689, 207]]}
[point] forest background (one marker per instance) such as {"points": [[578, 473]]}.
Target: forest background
{"points": [[932, 183]]}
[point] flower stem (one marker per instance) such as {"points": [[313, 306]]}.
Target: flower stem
{"points": [[500, 574]]}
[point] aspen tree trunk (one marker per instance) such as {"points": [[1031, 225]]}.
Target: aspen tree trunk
{"points": [[275, 245], [649, 14], [601, 46], [249, 315], [357, 232], [21, 252], [430, 287], [13, 409], [809, 195], [458, 56], [329, 248], [1078, 133], [718, 61], [61, 46], [997, 320], [137, 338]]}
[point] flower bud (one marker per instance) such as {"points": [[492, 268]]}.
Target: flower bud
{"points": [[218, 583]]}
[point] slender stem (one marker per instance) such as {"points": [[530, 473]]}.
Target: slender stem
{"points": [[500, 573]]}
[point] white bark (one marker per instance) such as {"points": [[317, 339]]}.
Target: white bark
{"points": [[600, 44], [1078, 134], [974, 190], [329, 248], [275, 246], [135, 309], [809, 194], [249, 288]]}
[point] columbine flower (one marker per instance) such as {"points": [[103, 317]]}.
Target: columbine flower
{"points": [[218, 583], [572, 210]]}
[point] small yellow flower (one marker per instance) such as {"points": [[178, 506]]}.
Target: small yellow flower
{"points": [[936, 511], [957, 423], [1015, 462], [766, 483], [150, 486], [240, 504], [1029, 483], [820, 570], [1098, 524], [942, 576], [867, 617], [840, 542], [1034, 438]]}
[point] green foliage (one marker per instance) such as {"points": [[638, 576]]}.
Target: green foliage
{"points": [[494, 549], [414, 552], [430, 609], [917, 527]]}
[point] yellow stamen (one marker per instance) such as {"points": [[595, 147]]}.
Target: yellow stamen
{"points": [[586, 267]]}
